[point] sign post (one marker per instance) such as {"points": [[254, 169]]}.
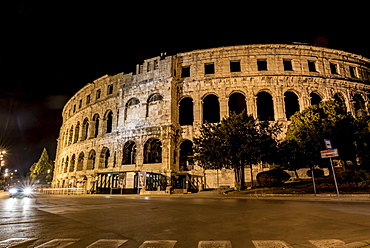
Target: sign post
{"points": [[330, 153]]}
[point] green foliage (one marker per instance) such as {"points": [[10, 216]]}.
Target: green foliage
{"points": [[235, 142], [272, 178], [328, 120], [42, 171]]}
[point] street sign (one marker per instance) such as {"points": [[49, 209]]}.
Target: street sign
{"points": [[328, 144], [331, 153]]}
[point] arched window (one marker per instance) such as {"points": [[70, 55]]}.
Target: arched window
{"points": [[186, 155], [358, 102], [72, 165], [265, 107], [153, 151], [96, 127], [237, 103], [80, 161], [77, 132], [129, 153], [132, 109], [85, 129], [186, 111], [155, 105], [104, 158], [315, 98], [291, 104], [211, 109], [109, 121], [91, 160]]}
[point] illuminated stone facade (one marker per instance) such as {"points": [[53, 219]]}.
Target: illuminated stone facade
{"points": [[145, 121]]}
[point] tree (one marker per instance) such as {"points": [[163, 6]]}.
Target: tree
{"points": [[328, 120], [235, 142], [42, 171]]}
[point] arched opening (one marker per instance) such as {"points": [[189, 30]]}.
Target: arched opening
{"points": [[72, 165], [186, 111], [186, 156], [291, 104], [237, 103], [66, 165], [96, 125], [154, 107], [76, 133], [85, 129], [315, 98], [265, 107], [70, 137], [211, 109], [129, 153], [109, 121], [91, 160], [153, 151], [131, 110], [80, 161], [104, 158], [358, 103]]}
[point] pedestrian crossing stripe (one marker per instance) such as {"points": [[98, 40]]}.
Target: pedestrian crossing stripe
{"points": [[107, 243], [13, 242], [270, 244], [58, 243], [158, 244], [215, 243]]}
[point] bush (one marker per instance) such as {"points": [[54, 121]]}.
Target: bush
{"points": [[316, 172], [271, 178]]}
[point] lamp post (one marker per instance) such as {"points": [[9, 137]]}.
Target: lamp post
{"points": [[2, 164]]}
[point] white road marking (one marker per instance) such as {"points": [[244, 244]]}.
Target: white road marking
{"points": [[58, 243], [327, 243], [215, 244], [107, 243], [270, 244], [14, 242], [158, 244]]}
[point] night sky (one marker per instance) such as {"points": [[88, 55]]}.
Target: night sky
{"points": [[51, 49]]}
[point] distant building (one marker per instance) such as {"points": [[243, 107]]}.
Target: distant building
{"points": [[118, 126]]}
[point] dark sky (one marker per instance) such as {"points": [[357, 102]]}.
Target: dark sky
{"points": [[50, 49]]}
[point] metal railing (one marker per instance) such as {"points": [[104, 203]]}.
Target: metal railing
{"points": [[64, 191]]}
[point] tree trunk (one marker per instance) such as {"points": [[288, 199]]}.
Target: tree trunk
{"points": [[237, 178], [252, 184], [242, 177]]}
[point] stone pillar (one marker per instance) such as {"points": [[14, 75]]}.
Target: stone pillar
{"points": [[223, 101]]}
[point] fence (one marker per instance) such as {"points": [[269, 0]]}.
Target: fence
{"points": [[64, 191]]}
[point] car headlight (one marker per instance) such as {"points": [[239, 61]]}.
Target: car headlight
{"points": [[27, 191], [13, 191]]}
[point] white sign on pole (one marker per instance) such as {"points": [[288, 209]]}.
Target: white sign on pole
{"points": [[329, 153]]}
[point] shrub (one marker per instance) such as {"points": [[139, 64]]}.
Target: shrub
{"points": [[271, 178], [316, 173]]}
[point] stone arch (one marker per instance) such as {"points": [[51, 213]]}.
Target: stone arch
{"points": [[104, 157], [72, 163], [80, 161], [186, 111], [129, 153], [154, 105], [131, 108], [211, 109], [237, 103], [339, 98], [91, 160], [358, 102], [108, 117], [186, 156], [85, 129], [96, 120], [291, 103], [153, 151], [265, 106], [315, 98]]}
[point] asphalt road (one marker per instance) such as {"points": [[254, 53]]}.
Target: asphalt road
{"points": [[186, 220]]}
